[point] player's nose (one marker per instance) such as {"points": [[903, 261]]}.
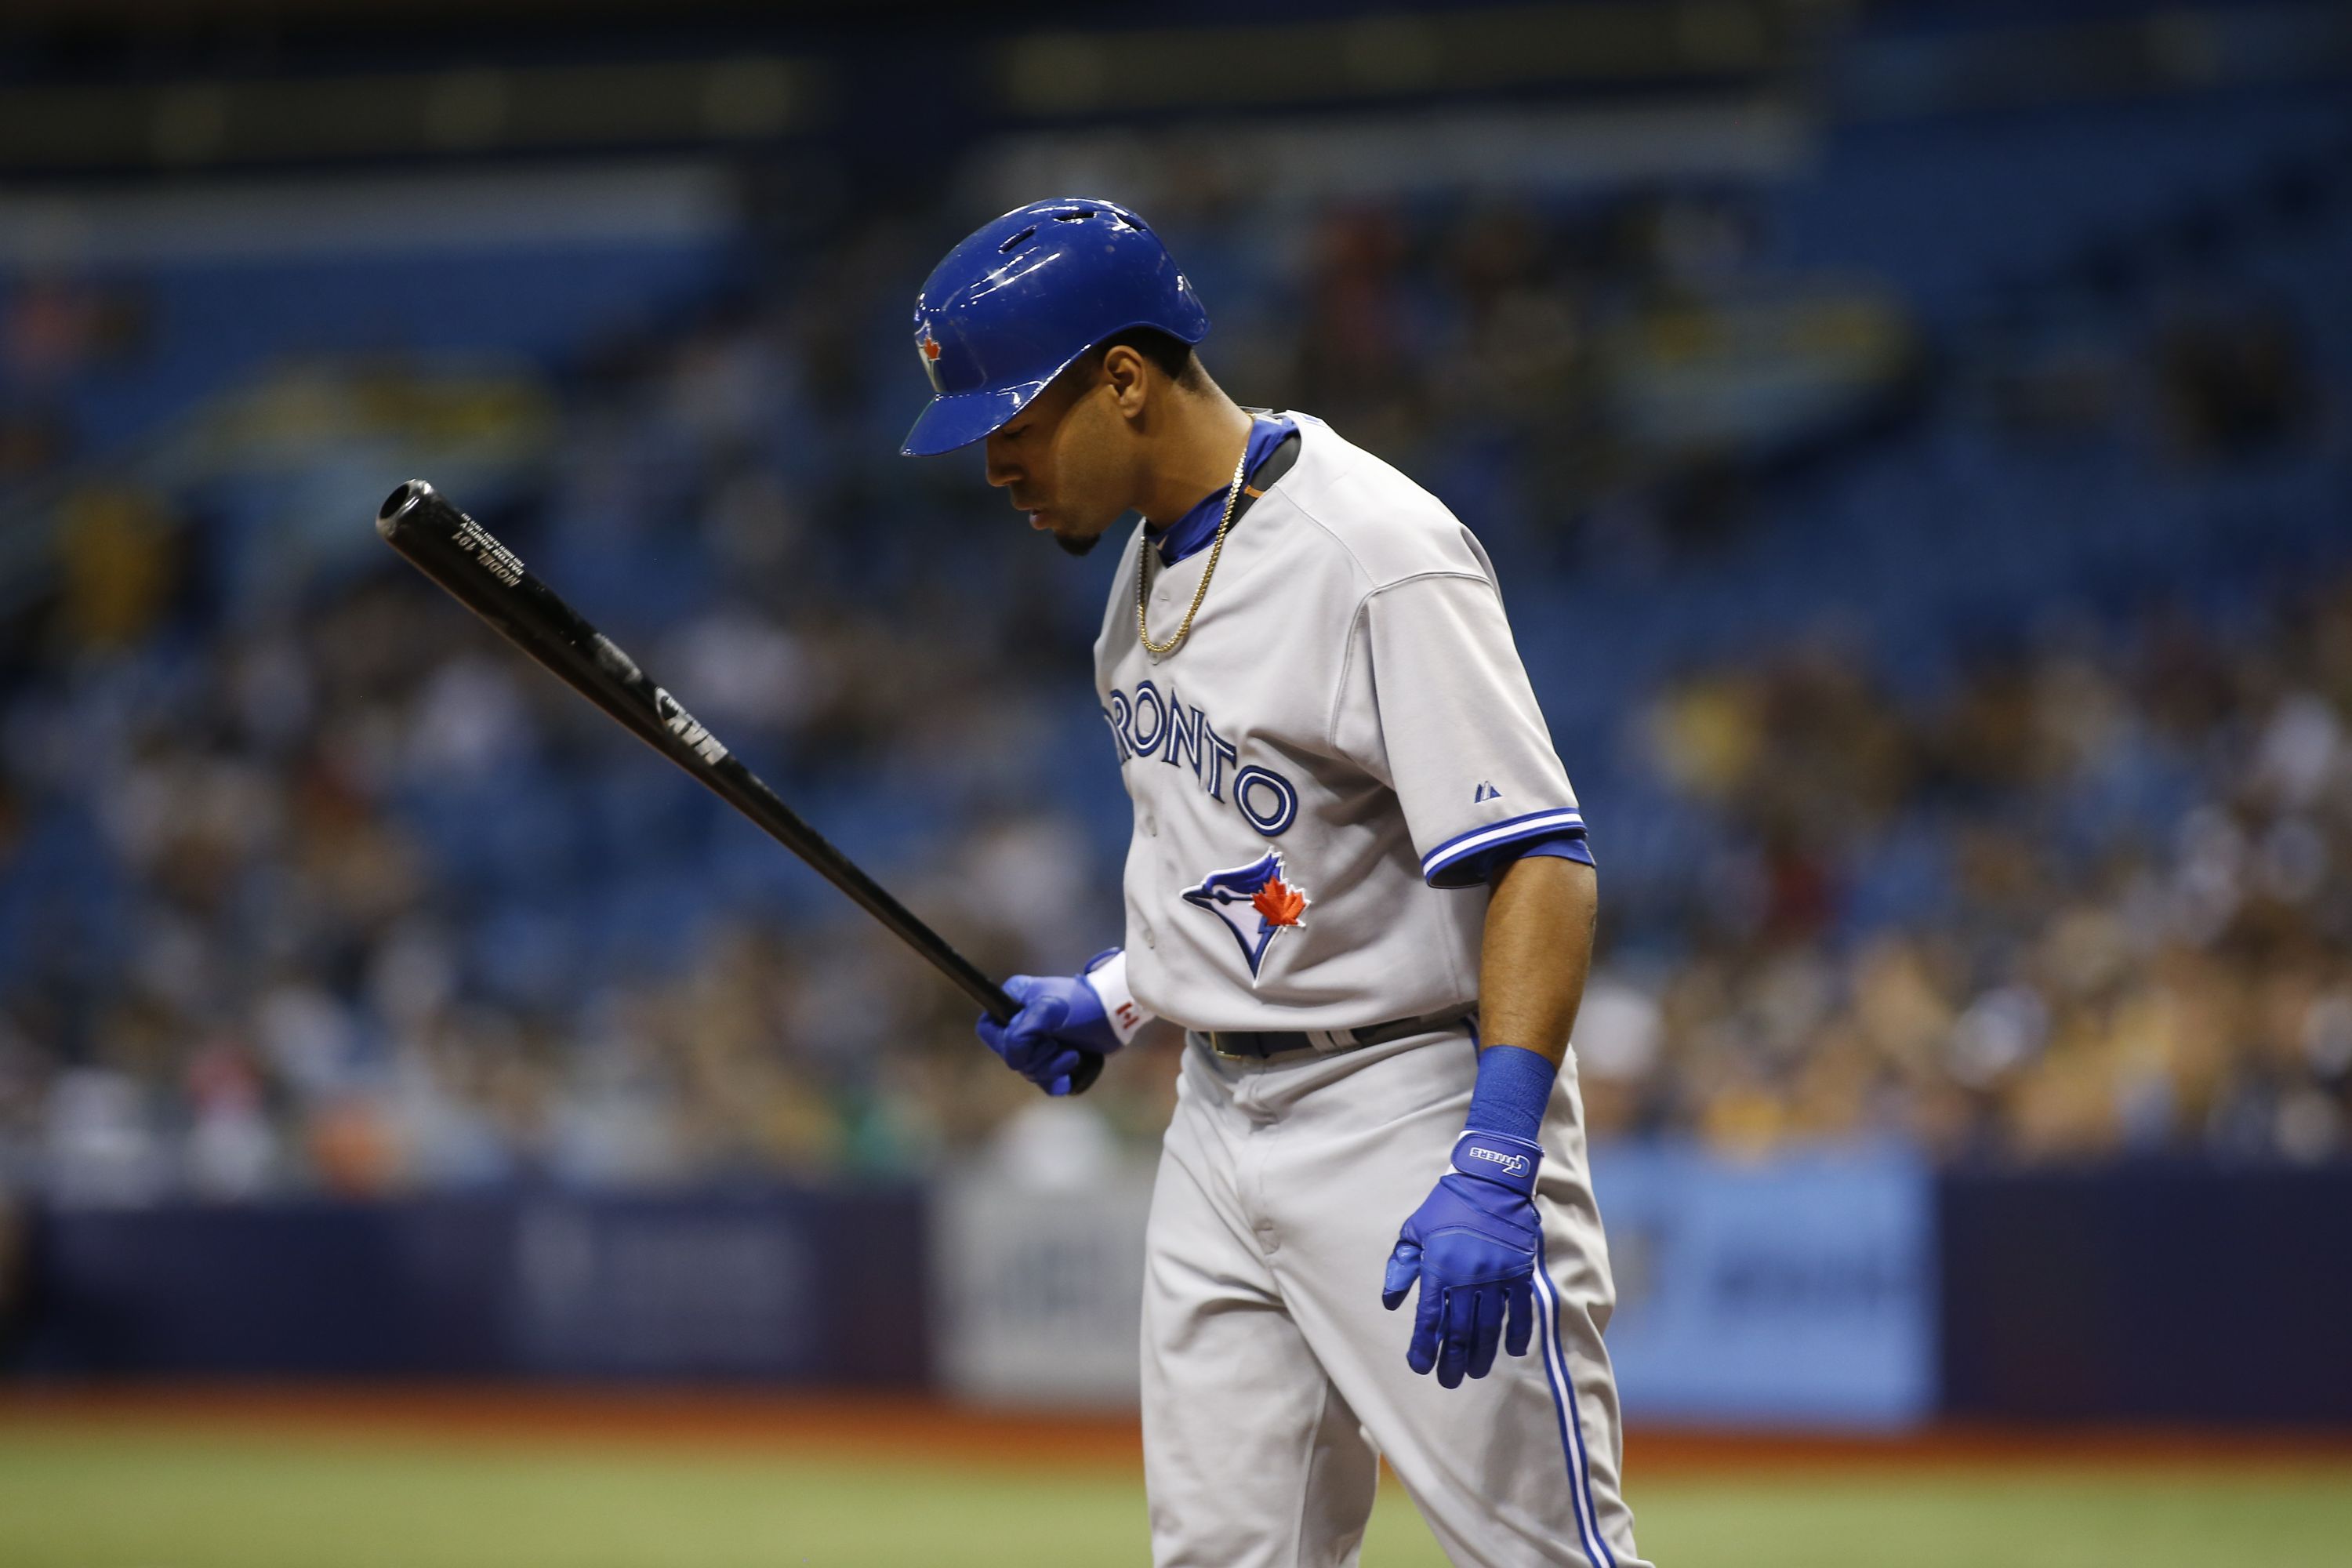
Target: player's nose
{"points": [[1000, 468]]}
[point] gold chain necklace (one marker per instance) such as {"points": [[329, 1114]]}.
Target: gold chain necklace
{"points": [[1143, 571]]}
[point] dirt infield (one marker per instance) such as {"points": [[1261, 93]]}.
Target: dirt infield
{"points": [[866, 1425]]}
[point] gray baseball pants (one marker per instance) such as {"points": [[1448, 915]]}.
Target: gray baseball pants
{"points": [[1274, 1382]]}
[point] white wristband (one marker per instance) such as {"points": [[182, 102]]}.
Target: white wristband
{"points": [[1109, 980]]}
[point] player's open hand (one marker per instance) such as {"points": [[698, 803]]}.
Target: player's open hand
{"points": [[1060, 1017], [1471, 1247]]}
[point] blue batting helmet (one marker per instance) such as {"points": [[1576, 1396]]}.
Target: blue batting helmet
{"points": [[1015, 303]]}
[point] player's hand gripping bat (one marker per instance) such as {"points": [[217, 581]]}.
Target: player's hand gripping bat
{"points": [[489, 580]]}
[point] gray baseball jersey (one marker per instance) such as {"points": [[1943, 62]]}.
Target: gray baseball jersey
{"points": [[1319, 774], [1345, 735]]}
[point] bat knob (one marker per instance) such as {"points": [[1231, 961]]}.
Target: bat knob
{"points": [[397, 505]]}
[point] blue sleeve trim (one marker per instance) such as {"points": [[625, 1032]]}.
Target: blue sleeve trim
{"points": [[1485, 865], [1566, 847], [1459, 861], [1099, 960]]}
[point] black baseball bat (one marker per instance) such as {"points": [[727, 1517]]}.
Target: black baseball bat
{"points": [[490, 579]]}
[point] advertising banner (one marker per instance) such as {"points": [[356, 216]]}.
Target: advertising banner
{"points": [[1798, 1290], [774, 1284], [1038, 1295]]}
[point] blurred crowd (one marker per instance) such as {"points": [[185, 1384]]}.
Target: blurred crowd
{"points": [[334, 892], [323, 888], [2090, 901]]}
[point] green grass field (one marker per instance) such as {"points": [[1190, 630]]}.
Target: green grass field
{"points": [[77, 1496]]}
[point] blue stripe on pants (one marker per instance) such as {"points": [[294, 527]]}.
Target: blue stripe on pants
{"points": [[1571, 1428]]}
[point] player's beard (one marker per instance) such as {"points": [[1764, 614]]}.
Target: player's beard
{"points": [[1076, 546]]}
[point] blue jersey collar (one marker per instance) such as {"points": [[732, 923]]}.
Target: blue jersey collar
{"points": [[1190, 534]]}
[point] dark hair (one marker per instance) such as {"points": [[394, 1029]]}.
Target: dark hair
{"points": [[1171, 353]]}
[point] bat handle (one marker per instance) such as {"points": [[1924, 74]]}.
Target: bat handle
{"points": [[1090, 1063]]}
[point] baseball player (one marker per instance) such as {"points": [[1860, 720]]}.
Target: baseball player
{"points": [[1358, 885]]}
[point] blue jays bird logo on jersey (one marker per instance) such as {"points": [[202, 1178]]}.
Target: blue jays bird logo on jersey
{"points": [[1255, 902]]}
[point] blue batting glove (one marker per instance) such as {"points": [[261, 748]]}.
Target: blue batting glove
{"points": [[1059, 1016], [1471, 1247]]}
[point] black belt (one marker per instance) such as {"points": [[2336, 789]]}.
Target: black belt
{"points": [[1262, 1043]]}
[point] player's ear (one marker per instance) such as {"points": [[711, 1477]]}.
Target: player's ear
{"points": [[1124, 371]]}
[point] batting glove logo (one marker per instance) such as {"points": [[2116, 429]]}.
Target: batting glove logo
{"points": [[1512, 1165]]}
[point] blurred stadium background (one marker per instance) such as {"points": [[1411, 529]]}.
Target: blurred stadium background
{"points": [[1916, 440]]}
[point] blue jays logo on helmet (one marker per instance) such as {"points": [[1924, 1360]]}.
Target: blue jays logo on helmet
{"points": [[1021, 298], [1253, 902], [928, 347]]}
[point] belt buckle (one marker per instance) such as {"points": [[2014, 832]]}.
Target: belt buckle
{"points": [[1215, 1037]]}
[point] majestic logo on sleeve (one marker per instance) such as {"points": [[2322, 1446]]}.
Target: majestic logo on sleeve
{"points": [[1255, 902]]}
